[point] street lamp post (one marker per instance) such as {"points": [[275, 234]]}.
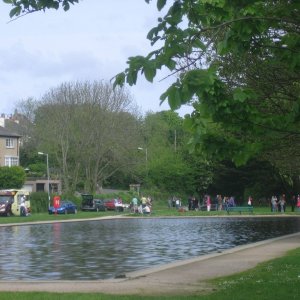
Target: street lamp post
{"points": [[48, 180], [146, 152], [146, 155]]}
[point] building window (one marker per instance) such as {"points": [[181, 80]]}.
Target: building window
{"points": [[11, 161], [9, 143]]}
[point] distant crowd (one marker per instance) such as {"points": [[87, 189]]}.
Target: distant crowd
{"points": [[277, 203], [208, 203]]}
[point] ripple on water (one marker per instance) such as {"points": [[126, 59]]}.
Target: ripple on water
{"points": [[103, 249]]}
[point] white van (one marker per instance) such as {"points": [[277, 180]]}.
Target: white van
{"points": [[13, 202]]}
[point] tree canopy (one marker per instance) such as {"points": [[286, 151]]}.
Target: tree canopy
{"points": [[23, 7], [88, 129], [168, 167], [237, 62]]}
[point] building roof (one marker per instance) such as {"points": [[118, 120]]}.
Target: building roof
{"points": [[7, 133]]}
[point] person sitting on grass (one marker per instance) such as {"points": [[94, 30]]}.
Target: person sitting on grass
{"points": [[146, 210]]}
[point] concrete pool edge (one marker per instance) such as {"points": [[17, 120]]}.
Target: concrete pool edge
{"points": [[144, 272], [125, 217]]}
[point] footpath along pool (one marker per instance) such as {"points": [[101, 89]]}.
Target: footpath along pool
{"points": [[103, 249]]}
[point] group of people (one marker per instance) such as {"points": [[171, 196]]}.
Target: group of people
{"points": [[278, 204], [143, 206], [208, 203], [219, 202], [174, 202]]}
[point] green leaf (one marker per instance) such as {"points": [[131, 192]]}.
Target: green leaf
{"points": [[66, 6], [119, 80], [55, 5], [198, 44], [131, 77], [161, 4], [170, 64], [15, 12], [239, 95], [153, 32], [173, 95], [150, 73]]}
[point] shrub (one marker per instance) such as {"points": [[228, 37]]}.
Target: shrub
{"points": [[12, 177], [39, 202]]}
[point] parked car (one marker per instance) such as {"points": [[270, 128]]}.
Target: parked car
{"points": [[115, 204], [91, 204], [65, 207]]}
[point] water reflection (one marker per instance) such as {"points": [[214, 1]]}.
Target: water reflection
{"points": [[103, 249]]}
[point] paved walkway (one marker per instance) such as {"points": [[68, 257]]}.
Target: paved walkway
{"points": [[182, 277]]}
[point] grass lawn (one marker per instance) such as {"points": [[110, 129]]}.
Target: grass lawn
{"points": [[159, 210], [162, 210], [46, 217], [275, 280]]}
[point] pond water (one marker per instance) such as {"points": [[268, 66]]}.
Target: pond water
{"points": [[103, 249]]}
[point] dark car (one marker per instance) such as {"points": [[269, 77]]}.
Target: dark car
{"points": [[65, 207], [91, 204]]}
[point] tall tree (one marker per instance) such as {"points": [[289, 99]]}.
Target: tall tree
{"points": [[89, 128], [238, 62], [25, 114], [170, 166]]}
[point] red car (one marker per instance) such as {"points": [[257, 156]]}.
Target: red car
{"points": [[114, 204]]}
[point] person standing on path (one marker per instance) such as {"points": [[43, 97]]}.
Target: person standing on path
{"points": [[134, 203], [282, 204], [293, 203], [250, 201], [274, 203], [208, 202], [298, 203]]}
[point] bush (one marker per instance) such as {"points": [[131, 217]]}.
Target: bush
{"points": [[125, 196], [76, 200], [39, 202], [12, 177]]}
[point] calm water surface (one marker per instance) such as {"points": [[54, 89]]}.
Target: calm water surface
{"points": [[103, 249]]}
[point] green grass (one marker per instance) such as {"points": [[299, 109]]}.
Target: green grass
{"points": [[46, 217], [159, 210], [275, 280], [162, 210]]}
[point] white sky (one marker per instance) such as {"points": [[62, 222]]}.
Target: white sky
{"points": [[91, 41]]}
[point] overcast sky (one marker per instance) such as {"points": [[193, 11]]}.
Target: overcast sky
{"points": [[91, 41]]}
